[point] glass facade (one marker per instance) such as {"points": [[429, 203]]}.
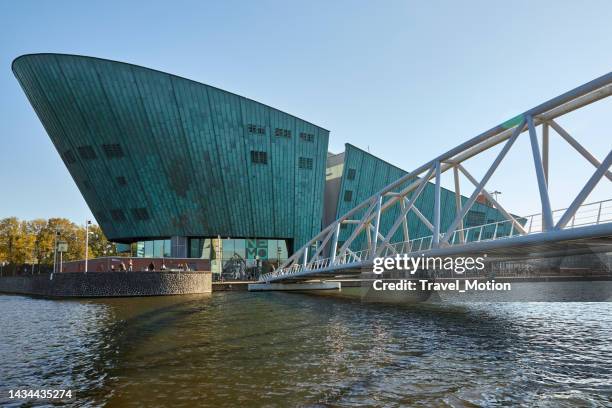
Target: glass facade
{"points": [[239, 258], [159, 248]]}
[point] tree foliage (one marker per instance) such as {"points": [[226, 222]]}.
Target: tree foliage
{"points": [[31, 242]]}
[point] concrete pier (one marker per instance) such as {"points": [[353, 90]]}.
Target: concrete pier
{"points": [[302, 286]]}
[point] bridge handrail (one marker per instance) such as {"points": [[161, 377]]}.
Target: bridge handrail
{"points": [[349, 257]]}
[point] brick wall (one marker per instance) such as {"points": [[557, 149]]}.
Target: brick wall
{"points": [[109, 284]]}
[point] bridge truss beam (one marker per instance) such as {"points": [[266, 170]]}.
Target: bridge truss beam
{"points": [[366, 216]]}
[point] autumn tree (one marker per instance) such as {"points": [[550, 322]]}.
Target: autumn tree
{"points": [[31, 242]]}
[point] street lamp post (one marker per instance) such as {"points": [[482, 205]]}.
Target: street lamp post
{"points": [[495, 194], [55, 249], [87, 224]]}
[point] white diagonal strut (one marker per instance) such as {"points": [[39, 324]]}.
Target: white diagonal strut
{"points": [[586, 190], [498, 206], [404, 211], [483, 182], [547, 219], [579, 148]]}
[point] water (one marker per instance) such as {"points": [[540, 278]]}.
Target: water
{"points": [[288, 349]]}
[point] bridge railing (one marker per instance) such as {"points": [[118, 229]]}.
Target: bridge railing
{"points": [[588, 214]]}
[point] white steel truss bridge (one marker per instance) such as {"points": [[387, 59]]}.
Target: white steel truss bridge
{"points": [[579, 228]]}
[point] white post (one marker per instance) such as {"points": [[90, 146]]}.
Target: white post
{"points": [[458, 202], [405, 231], [599, 213], [377, 228], [547, 219], [334, 247], [545, 150], [55, 250], [87, 222], [436, 224]]}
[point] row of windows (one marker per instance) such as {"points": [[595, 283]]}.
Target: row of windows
{"points": [[139, 214], [87, 152], [258, 157], [261, 130], [350, 175], [121, 182]]}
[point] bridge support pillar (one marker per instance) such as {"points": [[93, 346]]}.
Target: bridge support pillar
{"points": [[302, 286]]}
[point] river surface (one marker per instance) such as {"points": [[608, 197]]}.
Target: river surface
{"points": [[288, 349]]}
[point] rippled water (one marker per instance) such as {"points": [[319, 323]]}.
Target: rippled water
{"points": [[280, 349]]}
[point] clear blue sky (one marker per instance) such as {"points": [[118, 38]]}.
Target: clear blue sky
{"points": [[408, 79]]}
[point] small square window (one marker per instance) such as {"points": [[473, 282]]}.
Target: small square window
{"points": [[113, 151], [282, 132], [259, 157], [140, 214], [350, 175], [305, 163], [121, 181], [87, 152], [308, 137], [260, 130], [69, 157], [100, 216], [475, 218], [348, 195], [117, 215]]}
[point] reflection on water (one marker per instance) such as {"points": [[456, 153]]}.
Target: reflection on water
{"points": [[283, 349]]}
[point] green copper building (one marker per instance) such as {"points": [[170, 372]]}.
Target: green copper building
{"points": [[355, 175], [187, 170], [172, 163]]}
